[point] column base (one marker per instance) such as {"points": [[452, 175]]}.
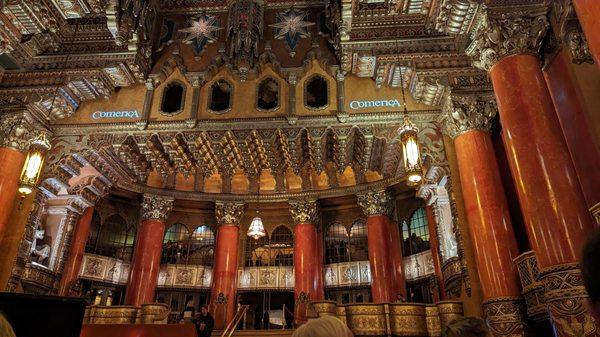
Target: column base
{"points": [[565, 296], [505, 316]]}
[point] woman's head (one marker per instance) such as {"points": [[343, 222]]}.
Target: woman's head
{"points": [[326, 326], [466, 327]]}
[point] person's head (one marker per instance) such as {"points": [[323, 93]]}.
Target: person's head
{"points": [[591, 273], [466, 327], [204, 310], [326, 326]]}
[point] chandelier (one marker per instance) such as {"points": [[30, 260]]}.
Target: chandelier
{"points": [[33, 164], [256, 230], [410, 144]]}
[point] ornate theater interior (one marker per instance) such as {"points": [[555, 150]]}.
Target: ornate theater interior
{"points": [[394, 163]]}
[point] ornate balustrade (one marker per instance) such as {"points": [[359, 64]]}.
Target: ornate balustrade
{"points": [[393, 319], [179, 276], [418, 266], [151, 313], [347, 274], [274, 277], [104, 269]]}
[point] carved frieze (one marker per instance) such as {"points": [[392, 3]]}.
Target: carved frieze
{"points": [[16, 131], [508, 33], [273, 277], [229, 213], [463, 113], [155, 207], [347, 274], [375, 202], [104, 269], [304, 211]]}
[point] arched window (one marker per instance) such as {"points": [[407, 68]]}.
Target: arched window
{"points": [[172, 99], [176, 244], [92, 240], [358, 241], [268, 94], [220, 96], [336, 244], [113, 238], [415, 233], [281, 247], [256, 252], [316, 93], [202, 246]]}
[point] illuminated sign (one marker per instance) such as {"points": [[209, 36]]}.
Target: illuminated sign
{"points": [[374, 104], [115, 114]]}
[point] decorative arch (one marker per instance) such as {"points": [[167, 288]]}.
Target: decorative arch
{"points": [[415, 233], [113, 238], [337, 241], [173, 98], [358, 247]]}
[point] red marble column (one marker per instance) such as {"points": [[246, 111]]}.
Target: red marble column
{"points": [[575, 123], [376, 205], [145, 265], [224, 284], [12, 164], [308, 280], [588, 12], [553, 206], [397, 262], [73, 264], [435, 254]]}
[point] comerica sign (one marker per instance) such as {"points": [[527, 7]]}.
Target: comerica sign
{"points": [[115, 114], [374, 104]]}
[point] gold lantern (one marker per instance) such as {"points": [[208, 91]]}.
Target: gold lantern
{"points": [[34, 163], [410, 144], [410, 148]]}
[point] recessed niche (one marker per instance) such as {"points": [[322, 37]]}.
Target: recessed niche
{"points": [[268, 95], [316, 93], [172, 99], [220, 96]]}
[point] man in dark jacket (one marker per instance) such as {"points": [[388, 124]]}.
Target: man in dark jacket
{"points": [[204, 322]]}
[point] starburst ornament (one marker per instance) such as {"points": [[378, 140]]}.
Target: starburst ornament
{"points": [[201, 31], [291, 27]]}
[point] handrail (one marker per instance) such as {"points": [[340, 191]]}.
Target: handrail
{"points": [[230, 329]]}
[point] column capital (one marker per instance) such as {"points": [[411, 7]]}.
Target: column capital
{"points": [[375, 203], [304, 211], [156, 207], [15, 131], [506, 32], [229, 213], [463, 113]]}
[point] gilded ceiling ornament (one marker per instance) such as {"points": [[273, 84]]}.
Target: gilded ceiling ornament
{"points": [[202, 30], [507, 34], [15, 132], [229, 213], [291, 27], [156, 207], [375, 202], [470, 112], [304, 211]]}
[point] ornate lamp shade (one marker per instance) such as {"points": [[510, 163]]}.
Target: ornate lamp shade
{"points": [[412, 154], [256, 229], [34, 163]]}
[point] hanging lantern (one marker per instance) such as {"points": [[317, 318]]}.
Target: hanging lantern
{"points": [[33, 164], [412, 154], [256, 229]]}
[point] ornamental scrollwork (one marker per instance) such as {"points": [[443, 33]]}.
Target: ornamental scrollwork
{"points": [[304, 211], [469, 112], [156, 207], [15, 132], [375, 202], [505, 316], [229, 213], [506, 34]]}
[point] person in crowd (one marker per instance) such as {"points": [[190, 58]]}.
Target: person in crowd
{"points": [[326, 326], [591, 273], [204, 322], [466, 327], [6, 329]]}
